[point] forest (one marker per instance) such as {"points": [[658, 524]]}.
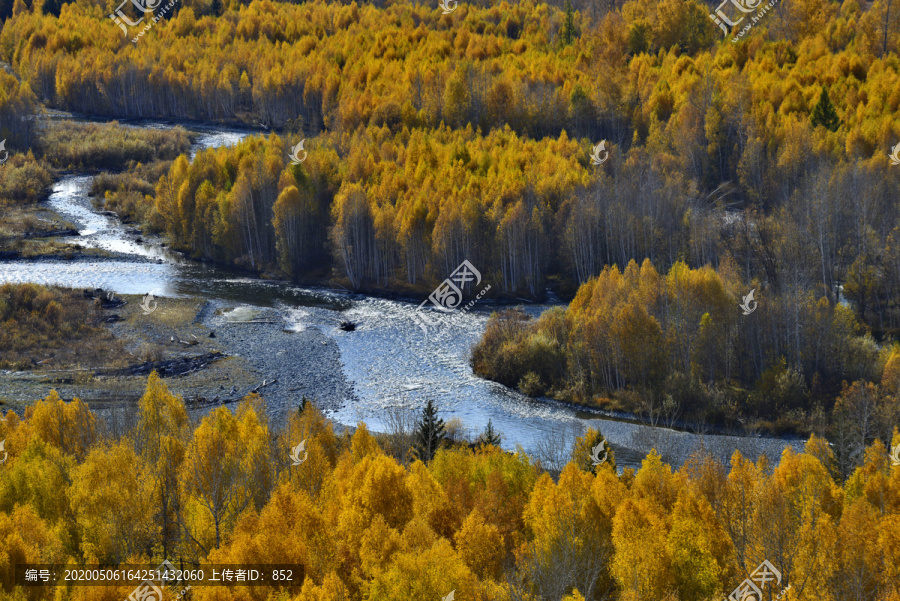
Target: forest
{"points": [[365, 522], [673, 349], [441, 137], [437, 138], [433, 138]]}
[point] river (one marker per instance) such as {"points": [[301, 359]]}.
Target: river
{"points": [[389, 359]]}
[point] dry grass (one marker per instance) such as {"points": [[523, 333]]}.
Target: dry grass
{"points": [[130, 194], [93, 146], [136, 339], [24, 179], [17, 221], [52, 328]]}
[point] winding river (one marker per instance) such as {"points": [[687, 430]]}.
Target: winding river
{"points": [[389, 360]]}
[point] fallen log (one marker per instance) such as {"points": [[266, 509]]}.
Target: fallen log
{"points": [[167, 368], [53, 233], [201, 401], [264, 384], [107, 299]]}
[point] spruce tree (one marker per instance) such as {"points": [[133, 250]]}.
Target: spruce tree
{"points": [[429, 433], [824, 113], [490, 436], [569, 29]]}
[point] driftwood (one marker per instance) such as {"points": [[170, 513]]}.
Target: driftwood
{"points": [[254, 321], [168, 368], [202, 401], [264, 384], [108, 300], [67, 232]]}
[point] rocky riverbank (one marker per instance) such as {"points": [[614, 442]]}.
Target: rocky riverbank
{"points": [[259, 356], [289, 364]]}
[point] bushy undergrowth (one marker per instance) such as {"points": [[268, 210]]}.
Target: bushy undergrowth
{"points": [[130, 194], [519, 352], [47, 321], [24, 179], [73, 145]]}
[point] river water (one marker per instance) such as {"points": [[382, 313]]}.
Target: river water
{"points": [[390, 360]]}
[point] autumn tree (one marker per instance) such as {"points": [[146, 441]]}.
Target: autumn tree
{"points": [[583, 451], [160, 440], [112, 499], [226, 470]]}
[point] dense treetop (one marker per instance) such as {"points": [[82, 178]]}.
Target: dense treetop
{"points": [[363, 524]]}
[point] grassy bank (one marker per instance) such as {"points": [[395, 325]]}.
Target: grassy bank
{"points": [[47, 327], [108, 146]]}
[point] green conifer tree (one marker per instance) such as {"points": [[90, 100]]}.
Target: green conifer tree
{"points": [[824, 113], [569, 29], [490, 436], [429, 433]]}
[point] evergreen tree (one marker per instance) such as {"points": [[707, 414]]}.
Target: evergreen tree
{"points": [[49, 7], [569, 29], [429, 433], [490, 436], [824, 113]]}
